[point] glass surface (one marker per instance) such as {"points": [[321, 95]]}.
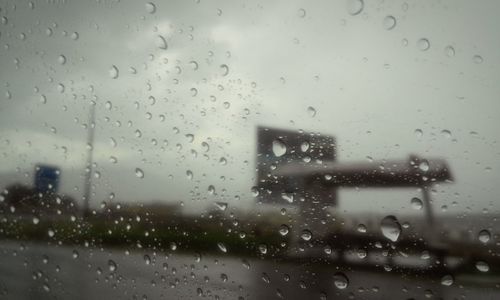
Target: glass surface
{"points": [[249, 149]]}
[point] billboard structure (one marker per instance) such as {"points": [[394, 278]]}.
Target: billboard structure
{"points": [[46, 178]]}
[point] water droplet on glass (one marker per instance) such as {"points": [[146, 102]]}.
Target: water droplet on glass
{"points": [[61, 59], [416, 203], [223, 161], [306, 235], [302, 13], [112, 265], [484, 236], [482, 266], [449, 51], [36, 220], [189, 174], [340, 280], [311, 111], [419, 133], [355, 7], [362, 228], [279, 148], [75, 36], [390, 228], [150, 7], [161, 42], [304, 146], [139, 173], [423, 44], [424, 165], [224, 69], [288, 197], [447, 280], [50, 232], [75, 254], [221, 205], [477, 59], [284, 230], [113, 72], [222, 247], [389, 22], [262, 248], [446, 133], [147, 259]]}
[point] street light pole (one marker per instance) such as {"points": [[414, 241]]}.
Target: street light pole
{"points": [[88, 168]]}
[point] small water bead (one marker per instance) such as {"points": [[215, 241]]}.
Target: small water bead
{"points": [[279, 148], [262, 248], [482, 266], [416, 203], [112, 265], [424, 166], [447, 280], [150, 8], [224, 69], [390, 228], [306, 235], [484, 236], [449, 51], [362, 228], [221, 205], [139, 173], [61, 59], [302, 13], [389, 22], [478, 59], [114, 72], [423, 44], [340, 280], [311, 111], [161, 42], [419, 133], [355, 7], [284, 229]]}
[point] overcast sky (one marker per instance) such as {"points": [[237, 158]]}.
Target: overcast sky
{"points": [[168, 81]]}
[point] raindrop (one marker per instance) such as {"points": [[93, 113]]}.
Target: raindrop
{"points": [[449, 51], [161, 42], [112, 265], [113, 72], [139, 173], [262, 248], [221, 205], [484, 236], [75, 254], [306, 235], [50, 232], [288, 197], [447, 280], [150, 7], [304, 146], [389, 22], [419, 133], [284, 230], [482, 266], [302, 13], [362, 228], [224, 69], [36, 220], [222, 247], [189, 174], [279, 148], [75, 36], [211, 189], [223, 161], [147, 259], [477, 59], [61, 59], [311, 111], [390, 228], [355, 7], [424, 165], [423, 44], [340, 280], [194, 65], [446, 133], [416, 203]]}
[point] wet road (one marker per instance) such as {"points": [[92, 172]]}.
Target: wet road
{"points": [[41, 271]]}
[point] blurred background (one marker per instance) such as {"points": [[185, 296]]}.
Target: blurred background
{"points": [[249, 149]]}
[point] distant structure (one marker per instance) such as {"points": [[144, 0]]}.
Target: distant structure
{"points": [[300, 169], [46, 179]]}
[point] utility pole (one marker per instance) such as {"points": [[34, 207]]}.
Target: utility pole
{"points": [[88, 167]]}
